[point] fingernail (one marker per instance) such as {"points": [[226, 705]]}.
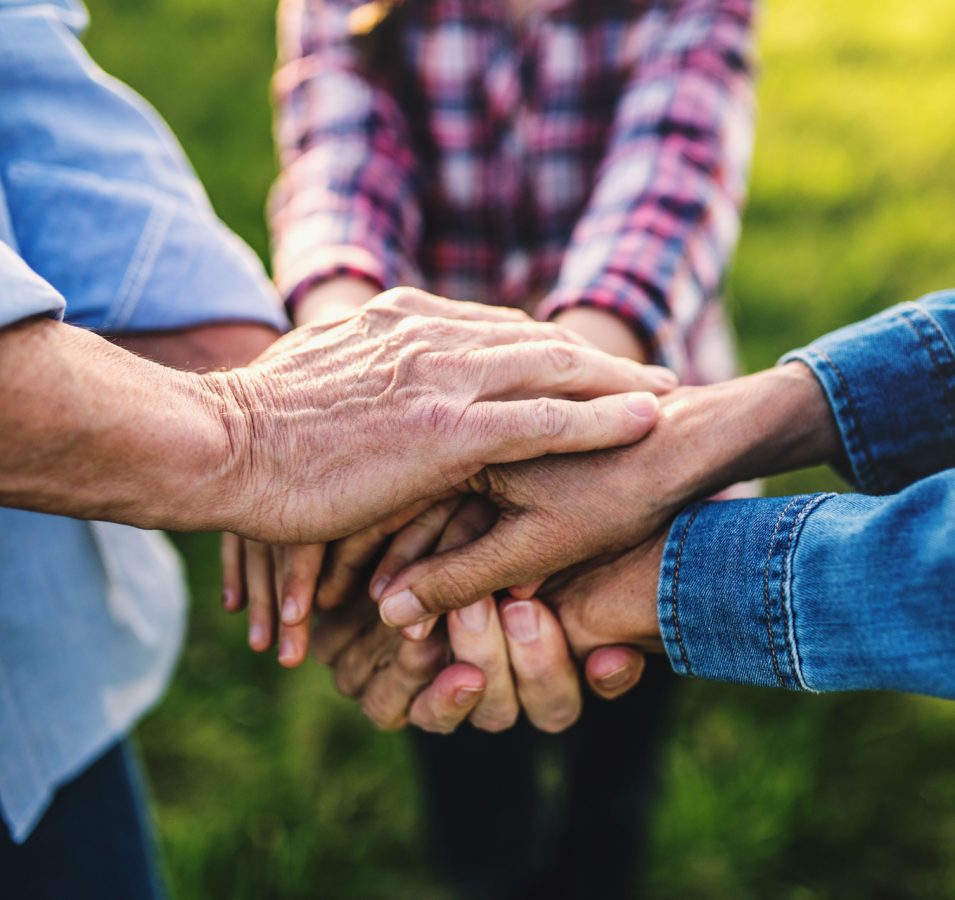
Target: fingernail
{"points": [[256, 636], [228, 600], [465, 695], [286, 649], [474, 617], [401, 609], [616, 678], [378, 586], [521, 622], [663, 375], [290, 611], [416, 632], [642, 406]]}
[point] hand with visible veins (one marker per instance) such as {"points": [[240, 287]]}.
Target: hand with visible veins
{"points": [[558, 512], [281, 585]]}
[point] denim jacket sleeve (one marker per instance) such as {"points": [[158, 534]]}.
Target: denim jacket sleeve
{"points": [[837, 592]]}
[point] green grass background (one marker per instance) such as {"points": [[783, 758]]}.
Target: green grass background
{"points": [[268, 786]]}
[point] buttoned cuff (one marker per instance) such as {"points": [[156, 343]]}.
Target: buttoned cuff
{"points": [[725, 590], [885, 379]]}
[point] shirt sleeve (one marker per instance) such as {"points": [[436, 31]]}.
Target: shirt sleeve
{"points": [[890, 382], [819, 592], [837, 592], [655, 240], [100, 199], [23, 293], [345, 201]]}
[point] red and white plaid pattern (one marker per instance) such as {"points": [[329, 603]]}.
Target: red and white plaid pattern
{"points": [[596, 153]]}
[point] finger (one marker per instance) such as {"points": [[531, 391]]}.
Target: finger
{"points": [[335, 629], [612, 671], [547, 683], [525, 429], [230, 549], [469, 521], [510, 553], [298, 578], [477, 638], [445, 703], [524, 591], [413, 301], [297, 569], [348, 559], [412, 542], [260, 591], [359, 661], [390, 693], [559, 369]]}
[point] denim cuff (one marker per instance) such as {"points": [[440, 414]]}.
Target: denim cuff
{"points": [[890, 382], [725, 590]]}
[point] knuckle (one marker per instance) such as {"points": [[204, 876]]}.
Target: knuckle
{"points": [[559, 718], [494, 721], [442, 416], [550, 418], [346, 681], [382, 713], [562, 357]]}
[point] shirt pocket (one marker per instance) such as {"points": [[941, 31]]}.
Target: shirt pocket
{"points": [[94, 239]]}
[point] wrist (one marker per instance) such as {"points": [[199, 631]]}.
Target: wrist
{"points": [[334, 298], [604, 329], [750, 427]]}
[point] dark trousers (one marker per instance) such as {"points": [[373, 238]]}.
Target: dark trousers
{"points": [[524, 814], [93, 843]]}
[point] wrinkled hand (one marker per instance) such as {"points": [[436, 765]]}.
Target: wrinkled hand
{"points": [[558, 512], [339, 425]]}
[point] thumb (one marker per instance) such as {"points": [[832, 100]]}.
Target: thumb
{"points": [[508, 554]]}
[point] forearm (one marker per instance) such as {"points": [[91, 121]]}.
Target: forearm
{"points": [[333, 299], [819, 592], [749, 427], [91, 431]]}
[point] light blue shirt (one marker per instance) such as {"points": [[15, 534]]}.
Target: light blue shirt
{"points": [[838, 592], [103, 223]]}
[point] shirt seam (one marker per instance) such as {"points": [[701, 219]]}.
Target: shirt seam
{"points": [[674, 597], [767, 604], [917, 319], [786, 585], [867, 474]]}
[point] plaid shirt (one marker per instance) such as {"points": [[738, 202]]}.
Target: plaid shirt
{"points": [[595, 154]]}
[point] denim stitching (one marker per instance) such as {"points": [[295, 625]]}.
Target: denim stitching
{"points": [[938, 366], [788, 615], [766, 595], [856, 431], [140, 267], [676, 586]]}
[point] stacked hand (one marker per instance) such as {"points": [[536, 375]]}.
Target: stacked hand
{"points": [[488, 591]]}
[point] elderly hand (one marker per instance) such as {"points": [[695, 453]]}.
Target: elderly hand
{"points": [[337, 426]]}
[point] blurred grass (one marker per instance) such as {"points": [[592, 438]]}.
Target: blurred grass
{"points": [[267, 785]]}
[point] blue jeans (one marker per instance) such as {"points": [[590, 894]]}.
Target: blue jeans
{"points": [[93, 843]]}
